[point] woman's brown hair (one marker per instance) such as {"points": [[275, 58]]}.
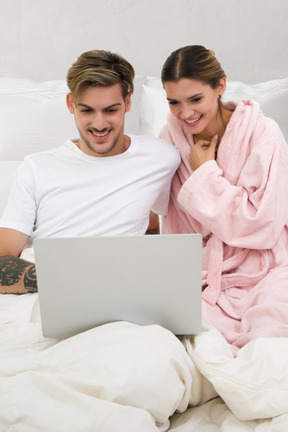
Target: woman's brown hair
{"points": [[193, 62]]}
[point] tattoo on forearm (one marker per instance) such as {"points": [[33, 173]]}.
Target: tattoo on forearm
{"points": [[153, 231], [17, 273], [30, 281]]}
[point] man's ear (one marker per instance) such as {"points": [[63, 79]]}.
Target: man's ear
{"points": [[70, 103], [128, 102]]}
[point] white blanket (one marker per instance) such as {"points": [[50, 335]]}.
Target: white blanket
{"points": [[124, 377]]}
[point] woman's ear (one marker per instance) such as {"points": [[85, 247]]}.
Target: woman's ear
{"points": [[222, 86], [70, 103]]}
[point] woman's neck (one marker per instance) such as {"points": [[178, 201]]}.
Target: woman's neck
{"points": [[217, 127]]}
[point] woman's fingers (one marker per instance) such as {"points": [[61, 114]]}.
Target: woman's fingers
{"points": [[202, 152]]}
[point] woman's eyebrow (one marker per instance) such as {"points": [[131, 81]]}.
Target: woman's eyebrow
{"points": [[196, 95], [190, 97]]}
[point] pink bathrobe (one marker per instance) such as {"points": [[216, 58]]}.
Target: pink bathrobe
{"points": [[239, 204]]}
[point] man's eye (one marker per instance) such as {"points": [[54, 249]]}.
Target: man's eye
{"points": [[85, 110], [112, 110], [173, 102]]}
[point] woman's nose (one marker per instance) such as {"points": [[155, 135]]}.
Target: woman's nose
{"points": [[186, 112]]}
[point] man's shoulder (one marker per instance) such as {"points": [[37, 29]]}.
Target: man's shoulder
{"points": [[46, 154], [157, 151], [149, 139], [155, 144]]}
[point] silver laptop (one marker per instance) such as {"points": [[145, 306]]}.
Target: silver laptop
{"points": [[87, 282]]}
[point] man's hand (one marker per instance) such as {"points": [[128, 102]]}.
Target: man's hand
{"points": [[202, 152]]}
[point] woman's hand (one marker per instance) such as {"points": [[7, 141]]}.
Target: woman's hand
{"points": [[203, 151]]}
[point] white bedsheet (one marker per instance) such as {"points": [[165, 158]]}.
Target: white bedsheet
{"points": [[124, 377]]}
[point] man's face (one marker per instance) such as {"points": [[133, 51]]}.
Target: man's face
{"points": [[99, 116]]}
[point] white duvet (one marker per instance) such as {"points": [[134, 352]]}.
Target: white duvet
{"points": [[124, 377]]}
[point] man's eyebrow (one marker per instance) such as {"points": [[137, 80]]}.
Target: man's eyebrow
{"points": [[83, 105], [108, 107], [114, 105]]}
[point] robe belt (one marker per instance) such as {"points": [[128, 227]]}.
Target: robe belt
{"points": [[211, 293], [217, 282]]}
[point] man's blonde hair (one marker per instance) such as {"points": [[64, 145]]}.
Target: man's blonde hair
{"points": [[99, 68]]}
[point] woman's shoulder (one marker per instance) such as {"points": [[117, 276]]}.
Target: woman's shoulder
{"points": [[268, 138], [268, 130], [248, 116]]}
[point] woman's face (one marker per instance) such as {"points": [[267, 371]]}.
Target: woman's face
{"points": [[195, 104]]}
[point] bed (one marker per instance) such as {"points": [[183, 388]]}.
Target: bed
{"points": [[83, 383]]}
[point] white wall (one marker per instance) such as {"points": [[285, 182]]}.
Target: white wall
{"points": [[39, 39]]}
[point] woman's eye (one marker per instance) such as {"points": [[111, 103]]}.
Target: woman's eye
{"points": [[173, 102], [196, 100]]}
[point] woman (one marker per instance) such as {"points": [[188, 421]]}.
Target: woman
{"points": [[232, 188]]}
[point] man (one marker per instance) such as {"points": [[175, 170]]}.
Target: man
{"points": [[104, 183]]}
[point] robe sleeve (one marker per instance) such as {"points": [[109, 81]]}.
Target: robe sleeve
{"points": [[250, 214]]}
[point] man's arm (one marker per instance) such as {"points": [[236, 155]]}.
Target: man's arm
{"points": [[17, 276], [153, 227]]}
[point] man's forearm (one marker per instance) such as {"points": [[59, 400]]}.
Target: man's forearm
{"points": [[17, 276], [154, 226]]}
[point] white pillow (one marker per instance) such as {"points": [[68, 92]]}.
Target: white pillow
{"points": [[132, 118], [34, 116], [7, 170], [154, 109], [272, 96]]}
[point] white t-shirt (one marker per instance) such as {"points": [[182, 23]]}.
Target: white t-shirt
{"points": [[64, 192]]}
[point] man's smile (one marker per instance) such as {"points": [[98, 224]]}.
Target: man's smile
{"points": [[100, 135]]}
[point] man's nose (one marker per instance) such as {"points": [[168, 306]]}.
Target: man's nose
{"points": [[99, 122]]}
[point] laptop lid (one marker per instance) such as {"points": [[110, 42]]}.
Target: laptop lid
{"points": [[86, 282]]}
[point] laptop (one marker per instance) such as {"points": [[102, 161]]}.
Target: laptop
{"points": [[151, 279]]}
